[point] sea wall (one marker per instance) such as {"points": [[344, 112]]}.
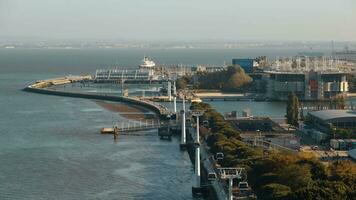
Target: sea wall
{"points": [[41, 87]]}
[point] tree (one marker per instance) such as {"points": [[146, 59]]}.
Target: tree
{"points": [[238, 79], [295, 176], [183, 82], [342, 169], [231, 79], [292, 109], [337, 102], [274, 191], [321, 190], [317, 169]]}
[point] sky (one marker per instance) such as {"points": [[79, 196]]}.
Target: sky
{"points": [[294, 20]]}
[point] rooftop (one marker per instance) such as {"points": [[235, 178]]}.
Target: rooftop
{"points": [[301, 72], [333, 114], [352, 153]]}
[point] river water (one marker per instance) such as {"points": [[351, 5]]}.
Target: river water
{"points": [[50, 147]]}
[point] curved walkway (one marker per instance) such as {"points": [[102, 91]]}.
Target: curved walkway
{"points": [[42, 88]]}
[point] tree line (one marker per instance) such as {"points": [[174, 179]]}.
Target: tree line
{"points": [[232, 79], [279, 174]]}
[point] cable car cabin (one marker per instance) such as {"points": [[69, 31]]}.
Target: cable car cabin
{"points": [[219, 156], [243, 187], [206, 123], [165, 133], [212, 176]]}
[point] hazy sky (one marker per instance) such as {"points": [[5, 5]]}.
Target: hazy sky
{"points": [[180, 19]]}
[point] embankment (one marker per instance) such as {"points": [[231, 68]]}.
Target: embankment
{"points": [[41, 87]]}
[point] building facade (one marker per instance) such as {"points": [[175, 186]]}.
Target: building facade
{"points": [[323, 120], [306, 85], [109, 75], [245, 63]]}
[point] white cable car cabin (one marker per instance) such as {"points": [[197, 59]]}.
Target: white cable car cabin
{"points": [[219, 156], [243, 186], [212, 176]]}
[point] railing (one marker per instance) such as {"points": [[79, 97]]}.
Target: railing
{"points": [[268, 145], [42, 87], [138, 125]]}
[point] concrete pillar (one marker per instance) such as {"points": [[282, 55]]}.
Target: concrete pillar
{"points": [[230, 189], [174, 88], [197, 166], [183, 137], [169, 91], [175, 104], [197, 139]]}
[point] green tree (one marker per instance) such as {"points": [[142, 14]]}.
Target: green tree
{"points": [[183, 82], [321, 190], [238, 79], [231, 79], [337, 102], [295, 176], [274, 191], [317, 169], [292, 109]]}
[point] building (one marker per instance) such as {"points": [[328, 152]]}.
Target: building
{"points": [[352, 154], [323, 120], [310, 78], [114, 75], [306, 85], [245, 63], [209, 69]]}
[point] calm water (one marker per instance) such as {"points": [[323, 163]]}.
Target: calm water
{"points": [[50, 147]]}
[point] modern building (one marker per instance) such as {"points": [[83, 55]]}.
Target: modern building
{"points": [[245, 63], [309, 78], [352, 154], [110, 75], [209, 69], [306, 85], [323, 120]]}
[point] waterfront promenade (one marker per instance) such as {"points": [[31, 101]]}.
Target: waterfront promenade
{"points": [[43, 87]]}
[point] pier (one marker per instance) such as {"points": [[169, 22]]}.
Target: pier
{"points": [[42, 87]]}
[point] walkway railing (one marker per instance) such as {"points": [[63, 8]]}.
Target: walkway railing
{"points": [[138, 125], [268, 145]]}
